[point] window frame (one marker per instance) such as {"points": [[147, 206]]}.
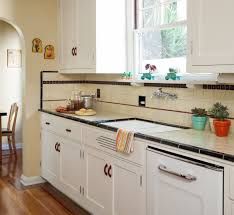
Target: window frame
{"points": [[137, 61]]}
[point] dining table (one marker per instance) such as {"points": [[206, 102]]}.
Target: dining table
{"points": [[2, 113]]}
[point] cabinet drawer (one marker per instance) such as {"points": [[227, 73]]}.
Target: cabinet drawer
{"points": [[48, 122], [105, 141], [70, 129], [61, 126]]}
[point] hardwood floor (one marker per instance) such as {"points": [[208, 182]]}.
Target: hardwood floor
{"points": [[18, 200]]}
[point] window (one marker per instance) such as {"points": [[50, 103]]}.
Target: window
{"points": [[161, 35]]}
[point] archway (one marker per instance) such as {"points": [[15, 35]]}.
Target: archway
{"points": [[12, 73]]}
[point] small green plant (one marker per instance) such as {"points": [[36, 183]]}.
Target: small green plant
{"points": [[219, 111], [199, 112]]}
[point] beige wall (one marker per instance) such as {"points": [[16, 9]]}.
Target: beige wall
{"points": [[35, 18], [10, 78]]}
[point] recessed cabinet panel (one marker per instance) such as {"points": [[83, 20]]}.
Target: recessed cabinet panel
{"points": [[85, 12], [128, 189], [211, 35], [111, 45], [71, 168], [98, 183], [67, 34], [49, 161]]}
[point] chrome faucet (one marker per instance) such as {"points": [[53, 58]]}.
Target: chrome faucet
{"points": [[163, 95]]}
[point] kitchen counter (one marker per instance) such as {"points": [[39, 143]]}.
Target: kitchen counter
{"points": [[201, 142]]}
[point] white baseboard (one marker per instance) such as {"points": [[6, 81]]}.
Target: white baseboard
{"points": [[6, 147], [28, 181]]}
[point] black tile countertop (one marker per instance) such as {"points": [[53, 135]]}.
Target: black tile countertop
{"points": [[201, 142]]}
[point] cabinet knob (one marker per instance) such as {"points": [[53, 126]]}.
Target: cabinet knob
{"points": [[110, 171], [47, 123], [105, 170]]}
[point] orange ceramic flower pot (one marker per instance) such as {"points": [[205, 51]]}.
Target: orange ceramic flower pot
{"points": [[222, 127]]}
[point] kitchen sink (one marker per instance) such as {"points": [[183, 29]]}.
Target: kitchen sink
{"points": [[141, 126]]}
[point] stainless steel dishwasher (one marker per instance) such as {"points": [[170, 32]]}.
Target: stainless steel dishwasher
{"points": [[178, 185]]}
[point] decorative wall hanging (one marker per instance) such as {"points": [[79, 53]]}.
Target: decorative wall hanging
{"points": [[49, 52], [37, 46], [14, 58]]}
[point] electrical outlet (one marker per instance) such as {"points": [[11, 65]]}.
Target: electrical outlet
{"points": [[98, 93], [142, 101]]}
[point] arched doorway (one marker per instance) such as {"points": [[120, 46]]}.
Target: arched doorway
{"points": [[12, 74]]}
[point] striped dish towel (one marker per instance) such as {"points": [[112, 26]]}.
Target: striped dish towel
{"points": [[124, 141]]}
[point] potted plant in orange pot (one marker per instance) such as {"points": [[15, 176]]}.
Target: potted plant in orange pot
{"points": [[221, 123]]}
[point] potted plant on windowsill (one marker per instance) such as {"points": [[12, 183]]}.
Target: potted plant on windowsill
{"points": [[199, 118], [150, 69], [221, 123]]}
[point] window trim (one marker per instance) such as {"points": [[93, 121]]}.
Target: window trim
{"points": [[137, 63]]}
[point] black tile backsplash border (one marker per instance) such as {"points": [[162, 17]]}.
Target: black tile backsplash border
{"points": [[194, 149]]}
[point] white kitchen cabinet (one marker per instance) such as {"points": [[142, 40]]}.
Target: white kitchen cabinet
{"points": [[77, 36], [50, 156], [94, 36], [98, 186], [113, 186], [71, 168], [111, 36], [210, 36], [128, 189]]}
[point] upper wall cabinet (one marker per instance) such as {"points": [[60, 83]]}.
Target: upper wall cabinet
{"points": [[77, 36], [210, 36], [93, 36]]}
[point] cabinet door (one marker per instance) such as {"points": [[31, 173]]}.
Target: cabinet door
{"points": [[85, 33], [211, 35], [67, 33], [71, 171], [49, 160], [111, 47], [129, 189], [98, 191]]}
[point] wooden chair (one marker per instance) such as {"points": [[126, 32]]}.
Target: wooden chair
{"points": [[9, 132]]}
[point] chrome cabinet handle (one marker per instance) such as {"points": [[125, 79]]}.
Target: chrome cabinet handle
{"points": [[187, 177]]}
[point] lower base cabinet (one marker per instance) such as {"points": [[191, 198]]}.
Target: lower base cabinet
{"points": [[99, 182], [50, 157], [113, 186], [128, 189], [71, 171]]}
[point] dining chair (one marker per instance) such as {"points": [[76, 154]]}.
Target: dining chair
{"points": [[9, 132]]}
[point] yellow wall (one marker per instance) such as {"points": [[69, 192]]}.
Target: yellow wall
{"points": [[36, 18]]}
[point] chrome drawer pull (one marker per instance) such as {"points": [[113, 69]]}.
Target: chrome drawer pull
{"points": [[187, 177]]}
